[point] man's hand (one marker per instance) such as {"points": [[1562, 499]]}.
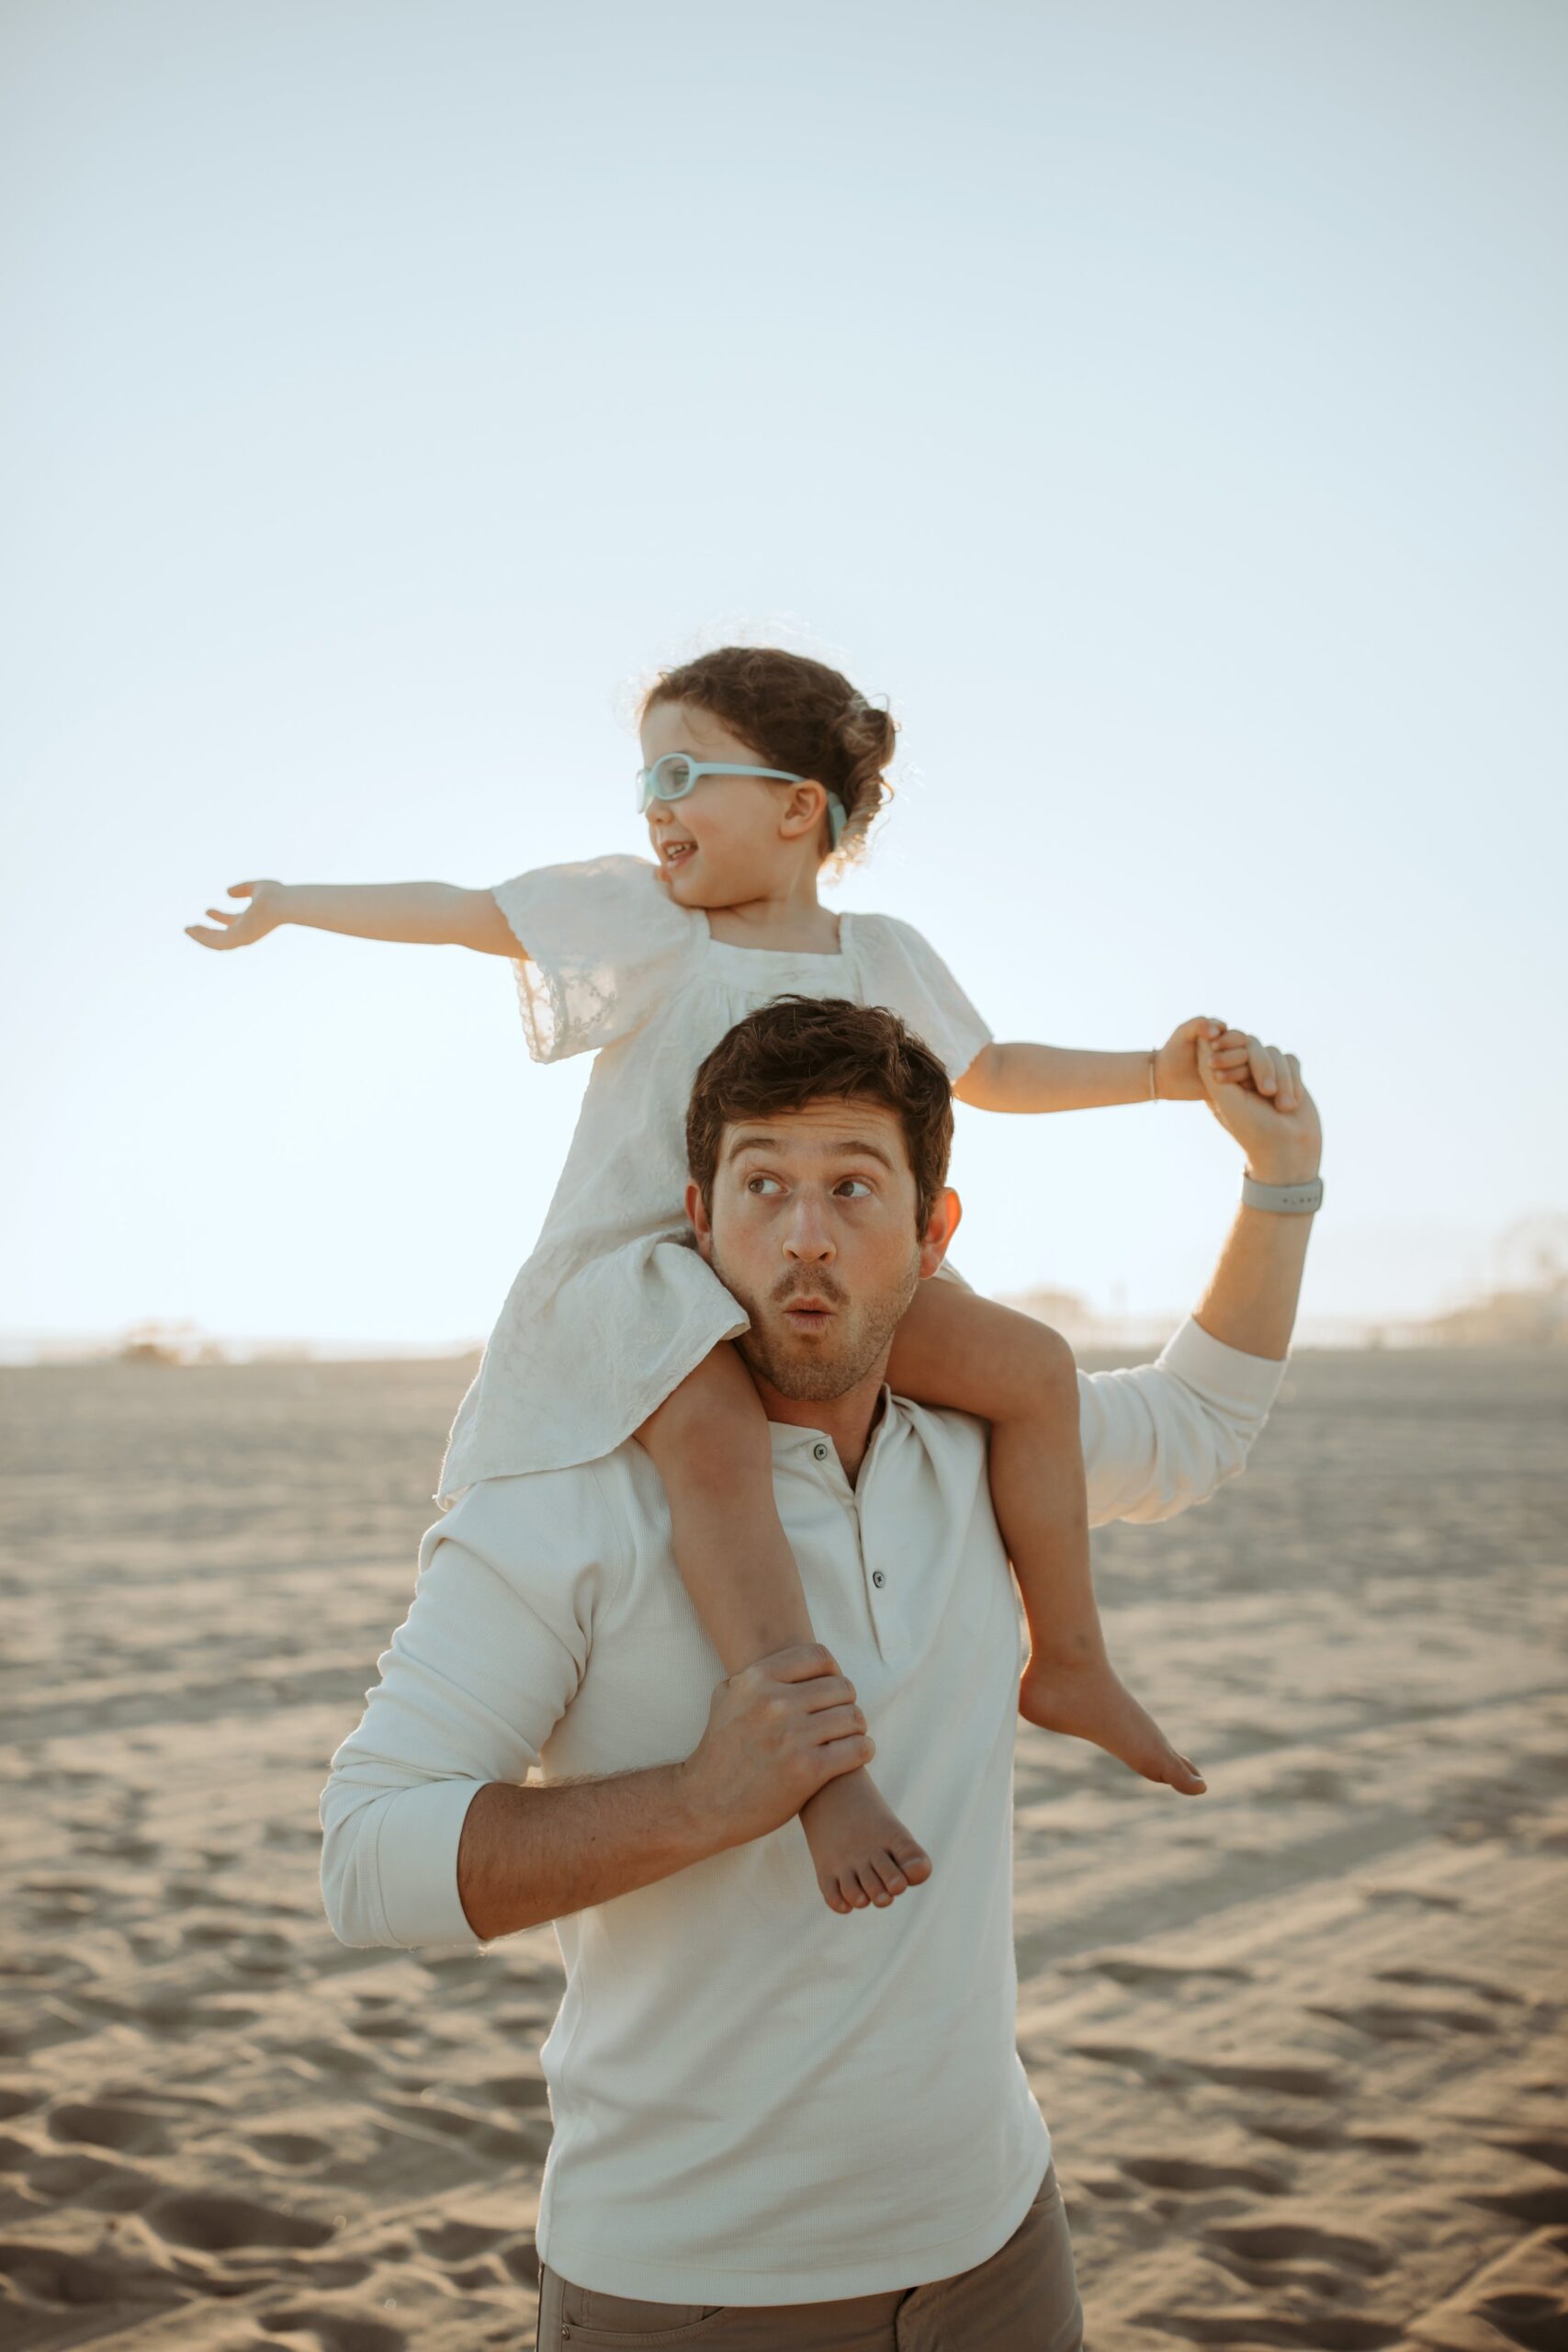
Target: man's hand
{"points": [[1277, 1125], [243, 927], [777, 1732]]}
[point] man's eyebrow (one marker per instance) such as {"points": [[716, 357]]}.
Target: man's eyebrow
{"points": [[857, 1145]]}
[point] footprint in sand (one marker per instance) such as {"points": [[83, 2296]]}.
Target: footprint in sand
{"points": [[1291, 2082], [1392, 2021], [289, 2147], [1161, 1971], [84, 2180], [1315, 2332], [1538, 2322], [218, 2224], [335, 2331], [52, 2276], [450, 2242], [1290, 2241], [1195, 2179], [1420, 1896], [1538, 2208], [103, 2123], [1543, 2151], [1440, 1983]]}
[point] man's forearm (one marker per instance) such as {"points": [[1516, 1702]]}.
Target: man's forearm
{"points": [[535, 1853], [1250, 1303]]}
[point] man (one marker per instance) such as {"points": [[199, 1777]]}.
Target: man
{"points": [[776, 2128]]}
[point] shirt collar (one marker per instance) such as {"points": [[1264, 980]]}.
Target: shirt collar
{"points": [[789, 1437]]}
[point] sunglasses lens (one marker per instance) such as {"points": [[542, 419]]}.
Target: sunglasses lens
{"points": [[672, 777]]}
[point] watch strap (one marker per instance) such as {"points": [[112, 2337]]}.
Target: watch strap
{"points": [[1283, 1200]]}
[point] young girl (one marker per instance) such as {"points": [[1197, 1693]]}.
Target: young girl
{"points": [[761, 768]]}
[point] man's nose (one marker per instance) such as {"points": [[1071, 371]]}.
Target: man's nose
{"points": [[808, 1235]]}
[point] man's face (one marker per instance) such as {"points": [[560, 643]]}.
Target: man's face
{"points": [[813, 1230]]}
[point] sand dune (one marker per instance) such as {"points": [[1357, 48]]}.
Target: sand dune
{"points": [[1302, 2043]]}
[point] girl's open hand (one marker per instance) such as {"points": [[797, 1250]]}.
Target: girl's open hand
{"points": [[243, 926], [1176, 1063]]}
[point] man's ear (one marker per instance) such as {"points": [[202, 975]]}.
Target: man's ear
{"points": [[698, 1219], [941, 1226]]}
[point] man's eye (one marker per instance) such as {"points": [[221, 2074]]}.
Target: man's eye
{"points": [[864, 1187], [752, 1182]]}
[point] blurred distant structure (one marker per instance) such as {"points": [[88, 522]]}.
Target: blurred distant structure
{"points": [[1528, 1305], [167, 1344]]}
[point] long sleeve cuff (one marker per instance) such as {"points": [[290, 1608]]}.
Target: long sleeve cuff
{"points": [[389, 1865], [1233, 1382]]}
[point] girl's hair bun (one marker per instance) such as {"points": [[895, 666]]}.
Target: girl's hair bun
{"points": [[799, 714]]}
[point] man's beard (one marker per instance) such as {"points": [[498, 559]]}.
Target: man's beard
{"points": [[832, 1366]]}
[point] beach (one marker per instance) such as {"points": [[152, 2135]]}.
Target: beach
{"points": [[1302, 2043]]}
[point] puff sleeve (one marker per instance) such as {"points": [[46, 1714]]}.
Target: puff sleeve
{"points": [[600, 945], [900, 969]]}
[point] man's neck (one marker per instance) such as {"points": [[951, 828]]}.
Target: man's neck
{"points": [[848, 1420]]}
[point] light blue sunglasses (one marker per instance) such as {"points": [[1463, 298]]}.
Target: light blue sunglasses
{"points": [[674, 776]]}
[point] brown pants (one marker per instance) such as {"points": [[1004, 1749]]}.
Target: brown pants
{"points": [[1025, 2298]]}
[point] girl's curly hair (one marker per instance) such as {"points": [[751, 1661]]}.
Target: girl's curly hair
{"points": [[795, 714]]}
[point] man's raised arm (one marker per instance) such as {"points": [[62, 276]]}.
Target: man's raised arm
{"points": [[1159, 1436]]}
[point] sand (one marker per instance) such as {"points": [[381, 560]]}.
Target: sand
{"points": [[1302, 2042]]}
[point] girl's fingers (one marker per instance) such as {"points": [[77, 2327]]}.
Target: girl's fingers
{"points": [[1290, 1092], [223, 914], [241, 889], [1279, 1074], [1262, 1062]]}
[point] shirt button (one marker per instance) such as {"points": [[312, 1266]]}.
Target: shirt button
{"points": [[877, 1577], [821, 1452]]}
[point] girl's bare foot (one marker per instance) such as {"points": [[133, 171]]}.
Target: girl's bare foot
{"points": [[862, 1852], [1088, 1701]]}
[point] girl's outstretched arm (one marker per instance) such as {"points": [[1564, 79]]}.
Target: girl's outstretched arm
{"points": [[427, 914], [1022, 1077]]}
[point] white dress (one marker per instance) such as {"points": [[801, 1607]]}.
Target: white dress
{"points": [[615, 1307]]}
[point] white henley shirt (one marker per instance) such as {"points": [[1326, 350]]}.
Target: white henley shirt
{"points": [[755, 2099]]}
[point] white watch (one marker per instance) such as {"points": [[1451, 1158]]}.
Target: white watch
{"points": [[1285, 1199]]}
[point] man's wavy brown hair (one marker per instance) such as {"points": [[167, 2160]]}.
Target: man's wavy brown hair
{"points": [[796, 1050], [797, 715]]}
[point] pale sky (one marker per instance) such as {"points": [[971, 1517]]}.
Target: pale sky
{"points": [[1159, 401]]}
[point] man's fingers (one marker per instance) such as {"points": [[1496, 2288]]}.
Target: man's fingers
{"points": [[1261, 1059], [205, 938], [824, 1692], [241, 889], [845, 1755], [1290, 1075], [837, 1723]]}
